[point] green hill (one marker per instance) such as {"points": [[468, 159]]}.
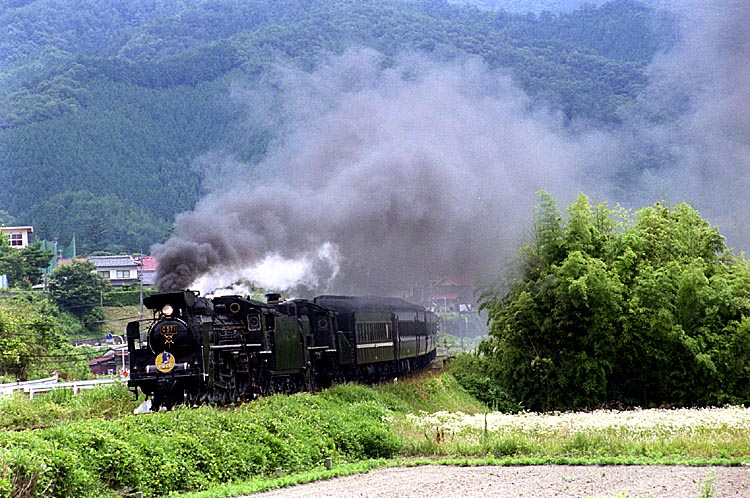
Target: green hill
{"points": [[106, 108]]}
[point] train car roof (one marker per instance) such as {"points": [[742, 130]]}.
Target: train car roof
{"points": [[303, 303], [367, 303]]}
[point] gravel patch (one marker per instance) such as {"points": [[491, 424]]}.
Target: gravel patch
{"points": [[562, 481]]}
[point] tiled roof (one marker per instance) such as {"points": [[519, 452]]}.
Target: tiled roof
{"points": [[109, 261], [150, 263]]}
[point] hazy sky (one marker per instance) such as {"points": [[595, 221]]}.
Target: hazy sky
{"points": [[707, 73]]}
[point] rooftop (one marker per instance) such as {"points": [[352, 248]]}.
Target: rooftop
{"points": [[107, 261]]}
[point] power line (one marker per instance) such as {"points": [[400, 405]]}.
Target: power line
{"points": [[65, 325]]}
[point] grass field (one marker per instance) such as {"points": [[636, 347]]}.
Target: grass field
{"points": [[718, 436], [91, 445]]}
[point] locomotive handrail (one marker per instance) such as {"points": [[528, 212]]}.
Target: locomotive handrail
{"points": [[178, 367], [233, 346]]}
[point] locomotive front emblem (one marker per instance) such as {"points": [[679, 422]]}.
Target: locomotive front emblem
{"points": [[168, 331], [165, 362]]}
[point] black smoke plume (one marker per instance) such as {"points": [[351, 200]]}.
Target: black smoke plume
{"points": [[397, 174]]}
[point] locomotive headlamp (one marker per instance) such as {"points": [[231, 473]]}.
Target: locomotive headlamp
{"points": [[168, 310]]}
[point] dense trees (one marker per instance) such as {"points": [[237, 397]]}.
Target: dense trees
{"points": [[34, 340], [102, 104], [78, 289], [99, 223], [608, 307]]}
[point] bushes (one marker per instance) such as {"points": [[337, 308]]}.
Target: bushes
{"points": [[19, 411], [194, 449], [611, 308], [189, 449], [122, 298], [471, 372]]}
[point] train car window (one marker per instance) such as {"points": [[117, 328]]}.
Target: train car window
{"points": [[406, 316]]}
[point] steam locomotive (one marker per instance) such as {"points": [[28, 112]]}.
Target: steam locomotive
{"points": [[226, 349]]}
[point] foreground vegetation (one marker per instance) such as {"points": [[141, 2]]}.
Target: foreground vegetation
{"points": [[282, 440], [108, 401], [685, 436], [35, 340], [192, 449], [612, 308]]}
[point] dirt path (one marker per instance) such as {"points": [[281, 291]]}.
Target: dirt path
{"points": [[558, 481]]}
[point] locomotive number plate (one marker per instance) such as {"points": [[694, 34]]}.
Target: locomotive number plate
{"points": [[168, 331], [164, 362]]}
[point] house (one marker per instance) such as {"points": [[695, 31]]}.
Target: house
{"points": [[18, 236], [454, 293], [148, 270], [120, 270], [113, 362]]}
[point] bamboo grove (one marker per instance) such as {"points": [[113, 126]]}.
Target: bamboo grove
{"points": [[612, 308]]}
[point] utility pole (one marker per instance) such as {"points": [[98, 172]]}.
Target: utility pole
{"points": [[140, 292], [460, 332]]}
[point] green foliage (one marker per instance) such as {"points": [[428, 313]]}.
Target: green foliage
{"points": [[429, 392], [604, 310], [98, 222], [77, 288], [121, 298], [472, 372], [33, 340], [47, 410], [358, 393], [190, 449], [23, 266]]}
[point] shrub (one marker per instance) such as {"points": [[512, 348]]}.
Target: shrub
{"points": [[120, 298], [471, 372]]}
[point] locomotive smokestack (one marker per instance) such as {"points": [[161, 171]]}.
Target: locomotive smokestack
{"points": [[273, 298]]}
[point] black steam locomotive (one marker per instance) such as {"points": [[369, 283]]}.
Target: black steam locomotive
{"points": [[226, 349]]}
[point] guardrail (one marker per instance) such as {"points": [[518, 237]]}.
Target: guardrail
{"points": [[18, 386], [34, 387]]}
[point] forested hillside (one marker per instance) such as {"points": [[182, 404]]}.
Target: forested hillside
{"points": [[107, 107], [523, 6]]}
